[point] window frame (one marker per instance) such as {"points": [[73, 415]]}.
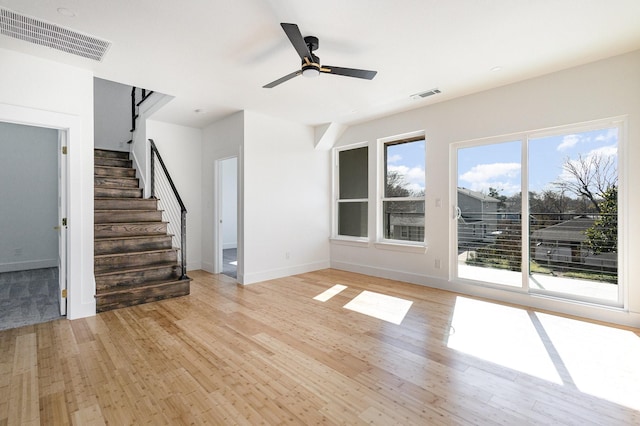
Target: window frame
{"points": [[335, 236], [389, 243]]}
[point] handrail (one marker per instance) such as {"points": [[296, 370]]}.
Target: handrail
{"points": [[183, 210], [135, 104]]}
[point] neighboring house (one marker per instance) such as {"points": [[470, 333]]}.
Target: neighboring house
{"points": [[478, 216], [565, 242]]}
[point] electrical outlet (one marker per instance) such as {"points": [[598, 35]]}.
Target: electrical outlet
{"points": [[287, 255], [17, 252], [436, 263]]}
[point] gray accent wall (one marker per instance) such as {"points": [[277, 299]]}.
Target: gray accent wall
{"points": [[28, 197]]}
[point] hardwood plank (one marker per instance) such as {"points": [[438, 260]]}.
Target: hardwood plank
{"points": [[270, 354]]}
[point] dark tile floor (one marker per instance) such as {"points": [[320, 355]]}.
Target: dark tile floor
{"points": [[230, 256], [28, 297]]}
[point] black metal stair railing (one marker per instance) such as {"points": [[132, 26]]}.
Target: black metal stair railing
{"points": [[174, 211], [135, 104]]}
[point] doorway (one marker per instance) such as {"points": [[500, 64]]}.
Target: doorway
{"points": [[227, 229], [33, 245]]}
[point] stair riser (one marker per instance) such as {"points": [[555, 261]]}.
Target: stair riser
{"points": [[119, 261], [117, 192], [114, 172], [105, 153], [132, 245], [112, 162], [129, 229], [128, 216], [115, 181], [136, 278], [142, 295], [126, 204]]}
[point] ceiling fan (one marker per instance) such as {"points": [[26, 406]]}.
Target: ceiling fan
{"points": [[311, 63]]}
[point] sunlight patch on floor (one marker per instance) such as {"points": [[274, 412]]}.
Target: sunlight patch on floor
{"points": [[598, 360], [386, 308], [502, 335], [234, 263], [328, 294], [601, 361]]}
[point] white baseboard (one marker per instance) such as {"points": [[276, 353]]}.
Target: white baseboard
{"points": [[31, 264], [252, 278]]}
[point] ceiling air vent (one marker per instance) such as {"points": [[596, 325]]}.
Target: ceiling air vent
{"points": [[51, 35], [425, 94]]}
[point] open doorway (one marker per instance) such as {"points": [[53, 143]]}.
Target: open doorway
{"points": [[32, 247], [228, 216]]}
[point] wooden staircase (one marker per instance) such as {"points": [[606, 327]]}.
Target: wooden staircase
{"points": [[135, 262]]}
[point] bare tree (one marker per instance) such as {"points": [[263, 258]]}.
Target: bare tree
{"points": [[591, 177]]}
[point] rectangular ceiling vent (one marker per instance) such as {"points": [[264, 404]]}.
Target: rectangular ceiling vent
{"points": [[425, 94], [51, 35]]}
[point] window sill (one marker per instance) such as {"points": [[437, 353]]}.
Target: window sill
{"points": [[404, 247], [350, 242]]}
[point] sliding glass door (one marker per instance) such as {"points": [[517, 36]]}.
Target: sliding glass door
{"points": [[566, 245]]}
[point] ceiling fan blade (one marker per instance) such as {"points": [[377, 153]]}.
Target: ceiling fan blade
{"points": [[349, 72], [295, 37], [282, 79]]}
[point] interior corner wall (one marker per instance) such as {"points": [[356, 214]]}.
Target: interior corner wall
{"points": [[111, 114], [222, 139], [603, 89], [286, 198], [44, 93], [181, 150], [28, 159]]}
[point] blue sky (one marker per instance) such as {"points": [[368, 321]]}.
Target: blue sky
{"points": [[408, 159], [498, 165]]}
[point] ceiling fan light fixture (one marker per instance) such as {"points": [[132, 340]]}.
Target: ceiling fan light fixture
{"points": [[310, 72]]}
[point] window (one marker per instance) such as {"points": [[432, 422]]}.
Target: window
{"points": [[404, 185], [353, 182], [541, 212]]}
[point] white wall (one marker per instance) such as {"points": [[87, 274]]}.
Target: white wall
{"points": [[112, 115], [181, 150], [286, 199], [29, 197], [229, 203], [599, 90], [222, 139], [38, 92]]}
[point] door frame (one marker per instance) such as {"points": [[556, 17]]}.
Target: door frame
{"points": [[218, 213]]}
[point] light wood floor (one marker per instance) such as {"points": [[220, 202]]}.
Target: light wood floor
{"points": [[270, 354]]}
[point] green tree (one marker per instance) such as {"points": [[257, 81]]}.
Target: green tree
{"points": [[495, 193], [602, 237]]}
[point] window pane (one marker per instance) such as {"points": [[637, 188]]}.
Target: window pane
{"points": [[404, 169], [573, 214], [489, 200], [353, 171], [403, 220], [353, 219]]}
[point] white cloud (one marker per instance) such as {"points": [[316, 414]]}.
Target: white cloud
{"points": [[569, 141], [503, 176], [487, 172], [394, 158], [610, 136], [413, 176]]}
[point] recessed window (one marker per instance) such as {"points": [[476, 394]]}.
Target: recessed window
{"points": [[404, 190]]}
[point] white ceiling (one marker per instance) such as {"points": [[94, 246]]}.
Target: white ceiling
{"points": [[216, 55]]}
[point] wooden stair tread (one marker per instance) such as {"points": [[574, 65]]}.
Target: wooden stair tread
{"points": [[125, 210], [137, 269], [133, 237], [135, 252], [142, 286]]}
